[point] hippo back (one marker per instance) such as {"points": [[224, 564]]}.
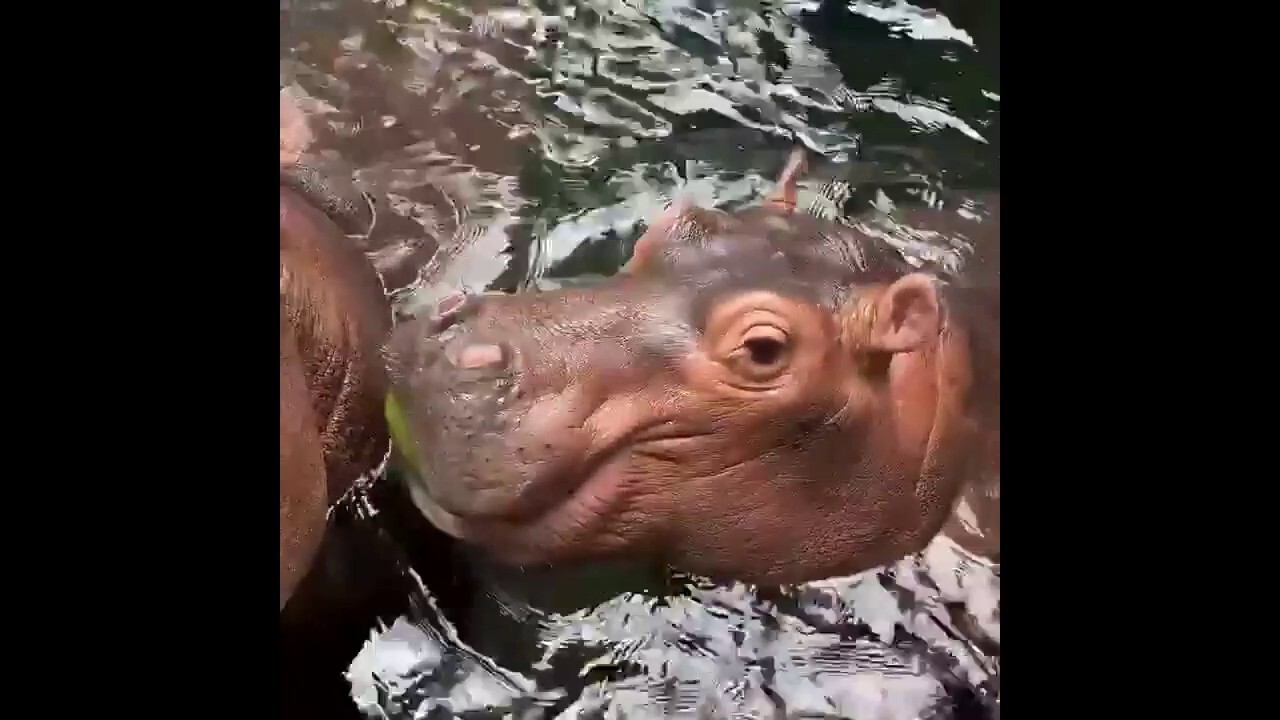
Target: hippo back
{"points": [[335, 305], [328, 186], [334, 316]]}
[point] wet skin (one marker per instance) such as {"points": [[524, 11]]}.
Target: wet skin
{"points": [[339, 572], [334, 318], [761, 395]]}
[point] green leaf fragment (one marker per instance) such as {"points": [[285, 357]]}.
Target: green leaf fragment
{"points": [[398, 424]]}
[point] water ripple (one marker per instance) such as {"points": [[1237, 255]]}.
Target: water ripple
{"points": [[513, 143]]}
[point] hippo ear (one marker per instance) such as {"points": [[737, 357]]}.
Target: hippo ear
{"points": [[907, 315], [784, 192]]}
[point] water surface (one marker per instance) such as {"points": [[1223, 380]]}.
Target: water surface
{"points": [[516, 144]]}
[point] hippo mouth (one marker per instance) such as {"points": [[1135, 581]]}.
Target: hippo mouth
{"points": [[558, 515], [549, 511]]}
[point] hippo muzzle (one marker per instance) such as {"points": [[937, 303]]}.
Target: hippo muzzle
{"points": [[516, 410]]}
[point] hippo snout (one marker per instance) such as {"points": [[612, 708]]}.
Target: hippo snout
{"points": [[440, 343], [506, 407], [453, 393]]}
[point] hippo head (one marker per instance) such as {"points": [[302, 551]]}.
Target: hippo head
{"points": [[760, 395]]}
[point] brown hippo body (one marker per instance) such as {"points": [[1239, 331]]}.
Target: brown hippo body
{"points": [[334, 318], [761, 395]]}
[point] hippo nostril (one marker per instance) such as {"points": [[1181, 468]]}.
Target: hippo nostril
{"points": [[450, 311], [450, 303], [481, 356]]}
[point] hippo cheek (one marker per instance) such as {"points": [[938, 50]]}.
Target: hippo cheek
{"points": [[737, 527], [737, 504]]}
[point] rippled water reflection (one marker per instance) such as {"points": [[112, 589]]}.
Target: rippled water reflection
{"points": [[515, 143], [880, 645]]}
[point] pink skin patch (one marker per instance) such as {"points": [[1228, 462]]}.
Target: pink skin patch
{"points": [[295, 133], [784, 193], [480, 356]]}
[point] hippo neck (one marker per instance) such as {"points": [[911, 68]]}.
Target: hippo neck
{"points": [[340, 316], [950, 421], [969, 397]]}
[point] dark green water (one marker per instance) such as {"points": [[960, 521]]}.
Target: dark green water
{"points": [[518, 143], [534, 139]]}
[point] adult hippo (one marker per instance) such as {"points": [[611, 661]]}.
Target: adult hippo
{"points": [[760, 395], [334, 318]]}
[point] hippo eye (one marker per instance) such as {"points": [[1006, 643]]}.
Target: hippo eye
{"points": [[762, 353]]}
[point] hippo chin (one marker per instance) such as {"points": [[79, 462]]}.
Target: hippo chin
{"points": [[334, 318], [760, 395]]}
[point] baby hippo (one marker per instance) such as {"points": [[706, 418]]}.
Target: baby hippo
{"points": [[759, 395]]}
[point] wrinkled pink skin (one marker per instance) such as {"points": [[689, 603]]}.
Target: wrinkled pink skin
{"points": [[763, 395]]}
